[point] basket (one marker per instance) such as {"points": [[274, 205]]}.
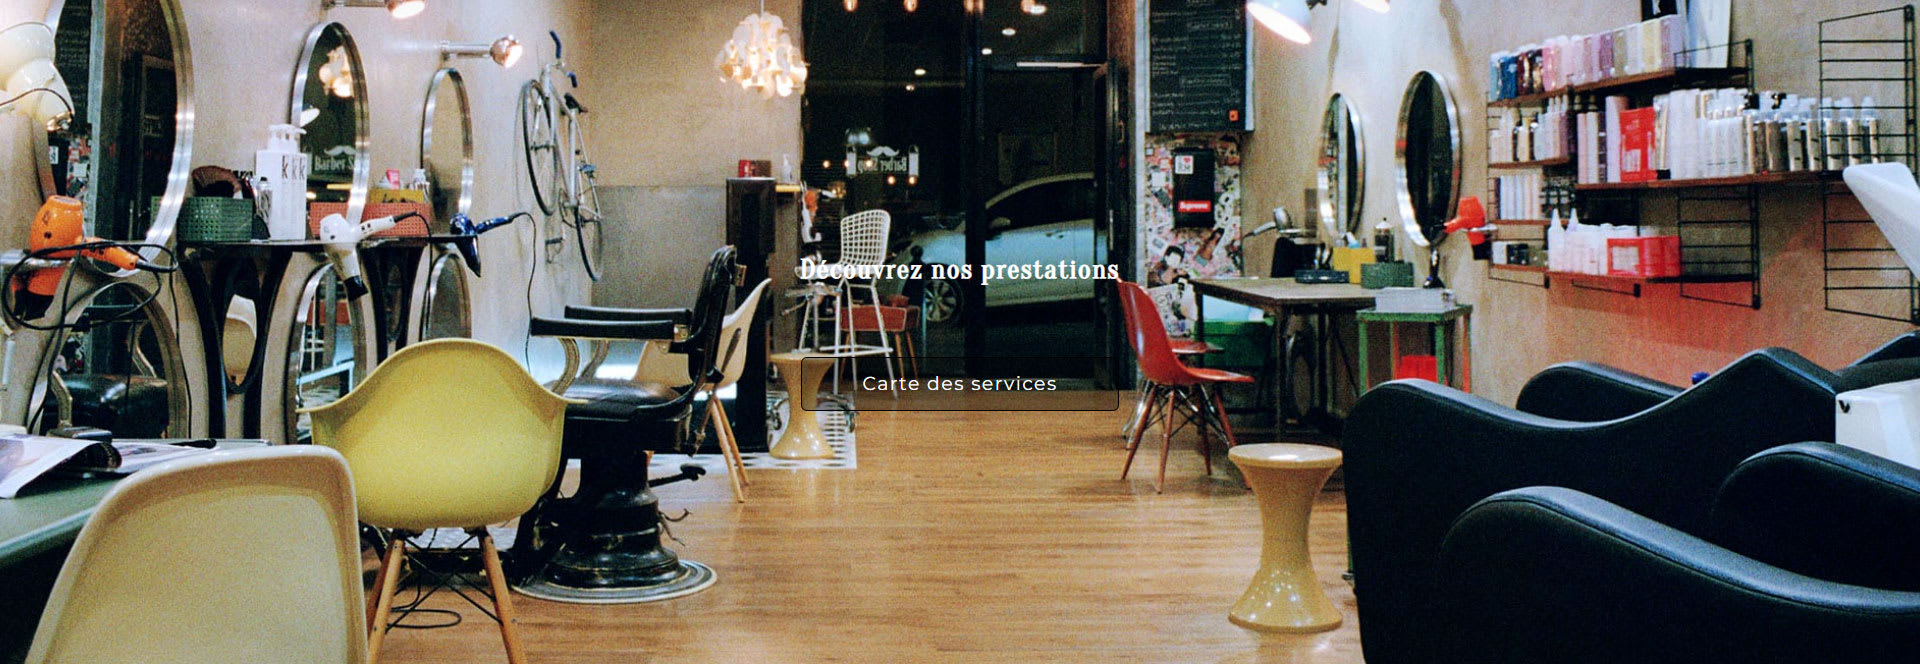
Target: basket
{"points": [[213, 219], [410, 227], [1386, 275]]}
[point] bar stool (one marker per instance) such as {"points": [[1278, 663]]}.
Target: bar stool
{"points": [[1285, 595], [863, 244], [892, 322], [803, 438]]}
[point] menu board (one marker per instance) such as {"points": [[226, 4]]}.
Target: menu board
{"points": [[1198, 65]]}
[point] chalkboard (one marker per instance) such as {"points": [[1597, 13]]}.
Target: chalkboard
{"points": [[1197, 65]]}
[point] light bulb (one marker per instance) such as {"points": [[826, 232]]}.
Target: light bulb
{"points": [[405, 9], [912, 5], [852, 4]]}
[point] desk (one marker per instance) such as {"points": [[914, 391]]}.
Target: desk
{"points": [[1282, 298], [47, 515]]}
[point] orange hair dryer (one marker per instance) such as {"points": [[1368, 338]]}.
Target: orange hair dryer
{"points": [[1472, 218], [62, 222]]}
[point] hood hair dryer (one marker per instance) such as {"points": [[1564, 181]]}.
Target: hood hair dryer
{"points": [[466, 229], [342, 241]]}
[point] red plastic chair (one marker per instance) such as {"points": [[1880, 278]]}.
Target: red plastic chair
{"points": [[1185, 388]]}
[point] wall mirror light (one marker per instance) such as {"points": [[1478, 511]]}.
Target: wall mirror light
{"points": [[119, 369], [323, 364], [446, 146], [1427, 164], [1340, 174], [330, 105]]}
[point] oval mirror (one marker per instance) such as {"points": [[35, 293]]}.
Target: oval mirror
{"points": [[1428, 163], [1341, 172], [330, 104], [323, 363], [446, 146], [445, 312], [119, 368]]}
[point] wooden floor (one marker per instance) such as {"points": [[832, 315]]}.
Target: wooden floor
{"points": [[962, 537]]}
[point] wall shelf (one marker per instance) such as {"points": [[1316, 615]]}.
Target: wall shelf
{"points": [[1792, 178], [1523, 100], [1862, 54], [1538, 163], [1542, 223]]}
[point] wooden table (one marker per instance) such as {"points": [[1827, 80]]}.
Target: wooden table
{"points": [[1283, 298]]}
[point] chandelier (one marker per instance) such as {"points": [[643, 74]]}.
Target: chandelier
{"points": [[761, 56]]}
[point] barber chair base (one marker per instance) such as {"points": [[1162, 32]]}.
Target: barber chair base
{"points": [[692, 578]]}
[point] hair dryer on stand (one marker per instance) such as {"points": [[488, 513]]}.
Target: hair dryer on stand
{"points": [[1471, 219], [55, 238], [342, 240], [465, 229]]}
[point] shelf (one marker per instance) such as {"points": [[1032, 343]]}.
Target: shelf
{"points": [[1520, 222], [1562, 161], [1796, 177], [1669, 77], [1684, 279], [1524, 100], [1537, 269]]}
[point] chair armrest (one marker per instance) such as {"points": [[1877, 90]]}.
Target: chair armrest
{"points": [[675, 316], [1589, 392], [1905, 346], [1826, 511], [592, 329], [1546, 574]]}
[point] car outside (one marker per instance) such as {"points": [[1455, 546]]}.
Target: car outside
{"points": [[1046, 220]]}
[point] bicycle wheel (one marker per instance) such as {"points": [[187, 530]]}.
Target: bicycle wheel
{"points": [[583, 197], [542, 144]]}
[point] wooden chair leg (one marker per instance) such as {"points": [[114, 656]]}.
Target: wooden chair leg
{"points": [[724, 435], [1133, 441], [1206, 437], [502, 599], [1166, 441], [913, 353], [733, 447], [383, 604]]}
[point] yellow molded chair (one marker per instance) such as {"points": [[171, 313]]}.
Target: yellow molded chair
{"points": [[450, 433], [658, 365], [234, 556]]}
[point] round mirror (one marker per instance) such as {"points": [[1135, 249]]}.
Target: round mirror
{"points": [[444, 313], [119, 368], [324, 360], [330, 104], [446, 146], [1428, 162], [1341, 172]]}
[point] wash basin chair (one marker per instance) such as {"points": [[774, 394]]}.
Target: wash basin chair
{"points": [[1592, 392], [1419, 454], [1807, 558]]}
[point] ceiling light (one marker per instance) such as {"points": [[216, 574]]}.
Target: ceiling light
{"points": [[1033, 7], [920, 72], [852, 4], [911, 88], [761, 56], [986, 51], [504, 51], [1376, 5], [32, 84], [1008, 31], [400, 9], [911, 5], [1287, 18]]}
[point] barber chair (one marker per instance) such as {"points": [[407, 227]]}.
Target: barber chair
{"points": [[1592, 392], [1807, 557], [1419, 454], [603, 543], [131, 405]]}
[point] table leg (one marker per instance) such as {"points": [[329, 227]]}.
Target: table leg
{"points": [[1366, 376], [1440, 353], [1466, 353]]}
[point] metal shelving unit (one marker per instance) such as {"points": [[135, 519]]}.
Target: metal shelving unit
{"points": [[1871, 53]]}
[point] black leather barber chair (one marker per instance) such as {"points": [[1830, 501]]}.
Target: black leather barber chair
{"points": [[1812, 563], [131, 405], [1419, 454], [1591, 392], [603, 543]]}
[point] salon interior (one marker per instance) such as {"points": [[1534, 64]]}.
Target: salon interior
{"points": [[1394, 331]]}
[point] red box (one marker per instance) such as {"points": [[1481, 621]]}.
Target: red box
{"points": [[1629, 257], [1425, 367], [1636, 145], [410, 227]]}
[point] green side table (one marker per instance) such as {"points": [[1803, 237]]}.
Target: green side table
{"points": [[1457, 321]]}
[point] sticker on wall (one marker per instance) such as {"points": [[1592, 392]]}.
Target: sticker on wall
{"points": [[1172, 255]]}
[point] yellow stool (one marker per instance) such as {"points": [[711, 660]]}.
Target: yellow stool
{"points": [[1285, 595], [803, 439]]}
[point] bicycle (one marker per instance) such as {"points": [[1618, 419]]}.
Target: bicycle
{"points": [[562, 173]]}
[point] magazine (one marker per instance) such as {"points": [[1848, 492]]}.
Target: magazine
{"points": [[25, 458]]}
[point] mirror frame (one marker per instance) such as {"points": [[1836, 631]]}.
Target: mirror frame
{"points": [[1358, 203], [362, 118], [1409, 223], [442, 261], [363, 362], [463, 204], [172, 364]]}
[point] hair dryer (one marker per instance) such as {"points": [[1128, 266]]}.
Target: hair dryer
{"points": [[1473, 220], [342, 240], [466, 229]]}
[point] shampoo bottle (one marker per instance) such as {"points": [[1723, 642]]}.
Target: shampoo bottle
{"points": [[1866, 136], [280, 183]]}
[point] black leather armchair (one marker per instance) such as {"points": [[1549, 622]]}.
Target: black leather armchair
{"points": [[1593, 392], [1547, 574], [1419, 454], [604, 542]]}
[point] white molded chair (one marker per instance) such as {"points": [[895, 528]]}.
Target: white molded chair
{"points": [[863, 243], [658, 365], [1892, 197], [236, 556]]}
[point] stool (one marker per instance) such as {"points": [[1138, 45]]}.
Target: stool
{"points": [[1285, 595], [803, 439]]}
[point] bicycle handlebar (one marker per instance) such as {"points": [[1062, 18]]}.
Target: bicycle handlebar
{"points": [[558, 48], [571, 76]]}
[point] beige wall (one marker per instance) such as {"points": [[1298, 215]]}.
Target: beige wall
{"points": [[669, 133], [1520, 329], [244, 52]]}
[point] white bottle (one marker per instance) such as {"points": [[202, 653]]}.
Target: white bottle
{"points": [[280, 183], [1834, 129], [1866, 136]]}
